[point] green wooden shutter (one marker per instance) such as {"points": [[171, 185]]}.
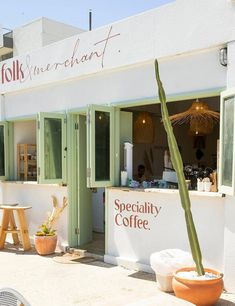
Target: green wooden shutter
{"points": [[4, 151], [226, 147], [51, 148], [100, 146]]}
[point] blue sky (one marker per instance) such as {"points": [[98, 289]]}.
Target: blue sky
{"points": [[14, 13]]}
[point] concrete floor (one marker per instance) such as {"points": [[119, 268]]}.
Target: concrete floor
{"points": [[55, 280], [97, 245]]}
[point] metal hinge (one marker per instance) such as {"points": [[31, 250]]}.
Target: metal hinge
{"points": [[76, 126], [38, 171], [88, 172], [65, 120], [77, 231]]}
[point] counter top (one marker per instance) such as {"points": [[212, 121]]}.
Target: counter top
{"points": [[169, 191]]}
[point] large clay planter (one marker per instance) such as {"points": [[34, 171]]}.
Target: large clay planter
{"points": [[45, 245], [198, 292]]}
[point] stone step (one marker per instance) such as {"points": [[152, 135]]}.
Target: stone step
{"points": [[85, 253]]}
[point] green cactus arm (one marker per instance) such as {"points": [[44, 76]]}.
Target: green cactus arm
{"points": [[178, 166]]}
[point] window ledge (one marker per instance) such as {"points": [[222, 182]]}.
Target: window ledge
{"points": [[30, 183], [170, 191]]}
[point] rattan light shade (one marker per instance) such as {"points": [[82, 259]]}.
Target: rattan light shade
{"points": [[200, 118], [143, 128], [201, 127]]}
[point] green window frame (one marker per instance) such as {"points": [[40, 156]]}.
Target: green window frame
{"points": [[51, 139], [4, 149], [227, 143], [100, 146]]}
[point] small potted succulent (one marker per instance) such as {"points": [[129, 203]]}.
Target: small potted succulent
{"points": [[45, 239], [199, 286]]}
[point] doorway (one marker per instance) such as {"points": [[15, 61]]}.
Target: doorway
{"points": [[90, 201]]}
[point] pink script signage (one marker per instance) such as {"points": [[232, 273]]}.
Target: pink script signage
{"points": [[25, 69], [135, 215]]}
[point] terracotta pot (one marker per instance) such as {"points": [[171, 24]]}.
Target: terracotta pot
{"points": [[45, 245], [198, 292]]}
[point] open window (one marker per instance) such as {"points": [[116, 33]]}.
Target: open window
{"points": [[52, 148], [3, 150], [100, 146], [227, 150]]}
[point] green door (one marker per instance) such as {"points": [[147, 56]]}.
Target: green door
{"points": [[84, 193], [93, 142]]}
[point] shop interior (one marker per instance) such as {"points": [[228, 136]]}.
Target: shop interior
{"points": [[25, 150], [199, 152], [198, 145]]}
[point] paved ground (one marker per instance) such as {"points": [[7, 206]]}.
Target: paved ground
{"points": [[51, 281]]}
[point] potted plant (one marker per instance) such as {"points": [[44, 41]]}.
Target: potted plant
{"points": [[45, 239], [205, 288]]}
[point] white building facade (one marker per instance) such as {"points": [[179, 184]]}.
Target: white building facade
{"points": [[62, 86]]}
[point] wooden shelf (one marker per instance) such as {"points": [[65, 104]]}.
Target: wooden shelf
{"points": [[26, 162], [32, 162]]}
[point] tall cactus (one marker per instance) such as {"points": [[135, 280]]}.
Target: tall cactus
{"points": [[178, 166]]}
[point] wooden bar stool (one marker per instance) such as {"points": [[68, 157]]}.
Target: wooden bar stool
{"points": [[9, 225]]}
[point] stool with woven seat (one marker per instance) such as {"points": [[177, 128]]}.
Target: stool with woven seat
{"points": [[9, 225], [11, 297]]}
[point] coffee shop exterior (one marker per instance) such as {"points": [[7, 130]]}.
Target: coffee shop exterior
{"points": [[56, 96]]}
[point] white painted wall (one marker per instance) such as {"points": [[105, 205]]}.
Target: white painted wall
{"points": [[229, 244], [28, 37], [190, 26], [25, 132], [186, 36], [53, 31], [39, 33], [168, 229], [180, 75], [39, 197], [231, 65]]}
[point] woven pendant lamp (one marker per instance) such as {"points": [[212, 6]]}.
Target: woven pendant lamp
{"points": [[143, 128], [201, 127], [200, 118]]}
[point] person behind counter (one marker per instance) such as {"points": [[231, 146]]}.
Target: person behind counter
{"points": [[140, 177]]}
